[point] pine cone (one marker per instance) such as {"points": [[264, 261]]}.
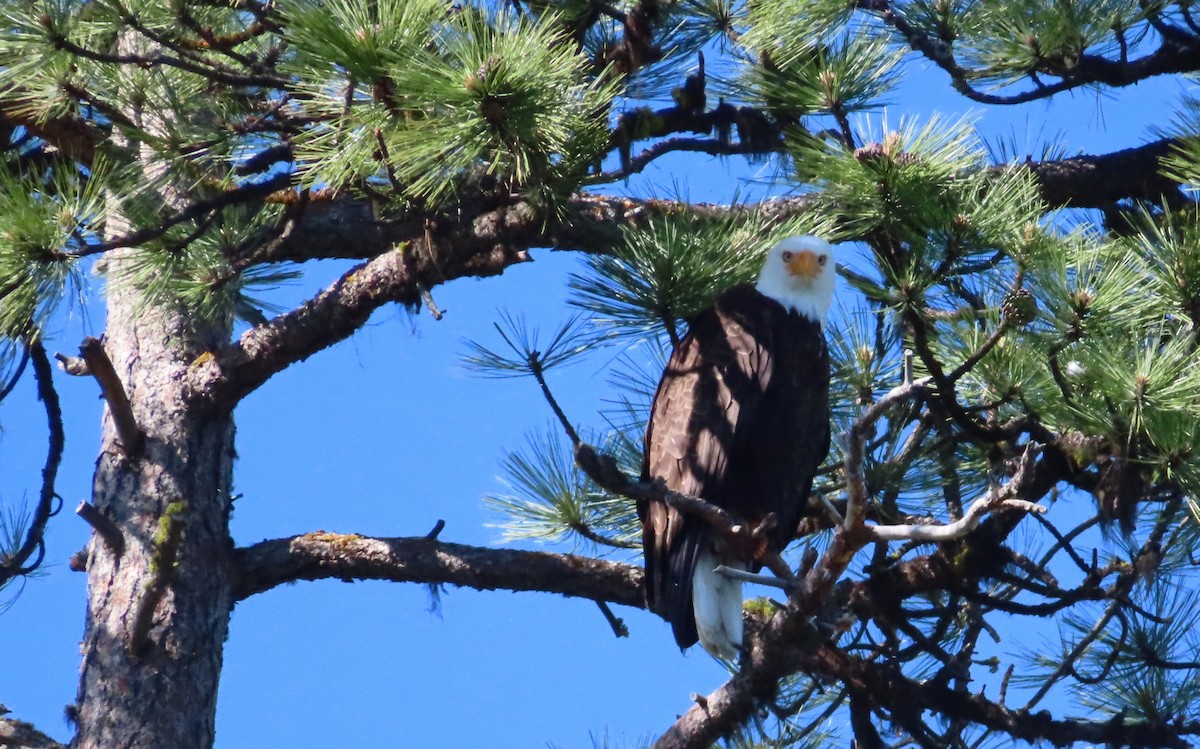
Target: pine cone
{"points": [[1019, 307]]}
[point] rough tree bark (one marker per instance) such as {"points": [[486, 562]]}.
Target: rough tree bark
{"points": [[158, 614], [159, 601]]}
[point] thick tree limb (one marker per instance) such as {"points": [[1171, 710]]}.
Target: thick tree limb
{"points": [[892, 690], [348, 228], [322, 556], [484, 246], [400, 274], [1102, 180], [75, 138]]}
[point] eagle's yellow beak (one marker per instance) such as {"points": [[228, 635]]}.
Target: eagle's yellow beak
{"points": [[804, 264]]}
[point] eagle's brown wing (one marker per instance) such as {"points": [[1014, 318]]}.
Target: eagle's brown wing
{"points": [[712, 387]]}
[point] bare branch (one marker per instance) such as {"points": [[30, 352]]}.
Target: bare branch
{"points": [[604, 471], [323, 556], [995, 498], [101, 523], [101, 368], [855, 442], [18, 562]]}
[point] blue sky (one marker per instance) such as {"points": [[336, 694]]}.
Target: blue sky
{"points": [[383, 435]]}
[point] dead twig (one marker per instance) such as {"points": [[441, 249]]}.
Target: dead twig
{"points": [[101, 367], [101, 523]]}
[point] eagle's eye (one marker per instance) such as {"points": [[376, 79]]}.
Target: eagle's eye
{"points": [[821, 260], [787, 256]]}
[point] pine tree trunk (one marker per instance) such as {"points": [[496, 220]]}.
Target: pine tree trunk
{"points": [[156, 686], [158, 613]]}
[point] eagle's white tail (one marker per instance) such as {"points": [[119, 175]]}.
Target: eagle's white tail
{"points": [[717, 604]]}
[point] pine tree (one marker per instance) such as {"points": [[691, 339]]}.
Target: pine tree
{"points": [[1016, 382]]}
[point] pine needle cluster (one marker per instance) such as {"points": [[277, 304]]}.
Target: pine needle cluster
{"points": [[40, 239], [672, 268], [488, 99]]}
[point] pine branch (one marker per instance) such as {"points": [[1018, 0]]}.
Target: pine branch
{"points": [[321, 556], [1177, 53], [789, 644], [224, 376], [757, 131], [348, 227], [1099, 181], [785, 644], [712, 147], [253, 192], [1129, 577], [18, 562], [194, 64], [890, 689], [484, 245], [76, 138]]}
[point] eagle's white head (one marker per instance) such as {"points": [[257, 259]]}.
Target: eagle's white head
{"points": [[799, 274]]}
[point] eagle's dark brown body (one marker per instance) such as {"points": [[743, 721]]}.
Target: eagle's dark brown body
{"points": [[740, 419]]}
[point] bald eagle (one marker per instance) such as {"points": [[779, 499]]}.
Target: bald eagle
{"points": [[741, 420]]}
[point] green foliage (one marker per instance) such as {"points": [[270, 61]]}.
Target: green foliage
{"points": [[1009, 40], [527, 355], [549, 499], [58, 58], [1125, 361], [31, 69], [905, 182], [192, 266], [808, 75], [487, 97], [860, 342], [1142, 668], [41, 222], [1169, 250], [672, 268], [1031, 332]]}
